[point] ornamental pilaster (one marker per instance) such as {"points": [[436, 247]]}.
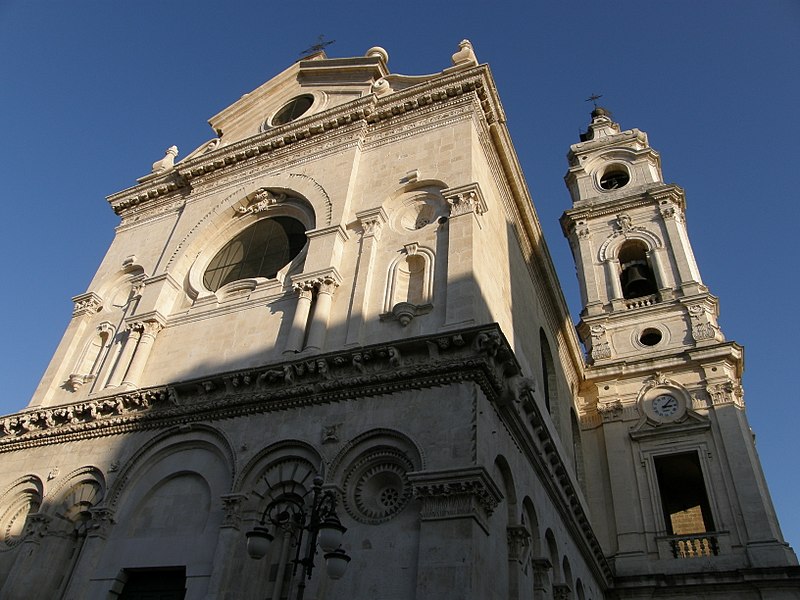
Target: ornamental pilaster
{"points": [[456, 494]]}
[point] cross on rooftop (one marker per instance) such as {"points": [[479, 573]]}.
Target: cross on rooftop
{"points": [[318, 47]]}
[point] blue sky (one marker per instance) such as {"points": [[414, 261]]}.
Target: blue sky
{"points": [[93, 92]]}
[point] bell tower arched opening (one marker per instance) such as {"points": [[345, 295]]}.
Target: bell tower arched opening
{"points": [[636, 276]]}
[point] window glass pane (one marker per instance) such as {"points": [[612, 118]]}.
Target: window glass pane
{"points": [[261, 250]]}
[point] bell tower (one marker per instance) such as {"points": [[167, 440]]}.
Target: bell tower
{"points": [[673, 476]]}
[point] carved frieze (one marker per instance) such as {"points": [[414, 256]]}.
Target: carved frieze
{"points": [[610, 411]]}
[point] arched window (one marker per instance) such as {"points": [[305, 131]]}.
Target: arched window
{"points": [[261, 250], [636, 277]]}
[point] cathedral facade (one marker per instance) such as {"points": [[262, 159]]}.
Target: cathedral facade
{"points": [[340, 314]]}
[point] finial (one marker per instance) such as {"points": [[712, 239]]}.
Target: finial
{"points": [[166, 163], [378, 52], [318, 47], [465, 55]]}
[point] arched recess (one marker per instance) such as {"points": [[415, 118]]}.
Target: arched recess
{"points": [[554, 557], [516, 539], [89, 363], [68, 509], [168, 508], [280, 476], [22, 499], [202, 438], [549, 380], [631, 256], [409, 287]]}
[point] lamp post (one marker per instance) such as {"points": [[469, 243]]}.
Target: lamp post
{"points": [[292, 516]]}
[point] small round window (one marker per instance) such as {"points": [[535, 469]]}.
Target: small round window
{"points": [[614, 178], [261, 250], [295, 108], [650, 337]]}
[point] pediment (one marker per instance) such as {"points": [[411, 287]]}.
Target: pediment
{"points": [[328, 82], [691, 421]]}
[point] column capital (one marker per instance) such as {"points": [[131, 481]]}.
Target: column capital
{"points": [[372, 221], [465, 199]]}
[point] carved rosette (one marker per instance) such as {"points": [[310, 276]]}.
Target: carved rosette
{"points": [[377, 487], [456, 494], [87, 304]]}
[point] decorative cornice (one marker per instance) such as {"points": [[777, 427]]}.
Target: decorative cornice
{"points": [[360, 372]]}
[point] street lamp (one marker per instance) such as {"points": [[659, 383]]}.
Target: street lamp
{"points": [[320, 520]]}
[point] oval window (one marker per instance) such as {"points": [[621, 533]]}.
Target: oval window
{"points": [[293, 109], [261, 250]]}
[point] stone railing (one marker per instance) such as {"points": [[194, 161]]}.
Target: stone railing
{"points": [[694, 546], [641, 302]]}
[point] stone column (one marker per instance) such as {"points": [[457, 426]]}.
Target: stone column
{"points": [[541, 577], [372, 222], [466, 207], [149, 330], [297, 335], [126, 354], [98, 530], [612, 275], [318, 328], [582, 247], [678, 238], [231, 542]]}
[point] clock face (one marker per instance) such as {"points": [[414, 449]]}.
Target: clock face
{"points": [[665, 405]]}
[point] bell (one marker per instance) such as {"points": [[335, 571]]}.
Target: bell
{"points": [[635, 282]]}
